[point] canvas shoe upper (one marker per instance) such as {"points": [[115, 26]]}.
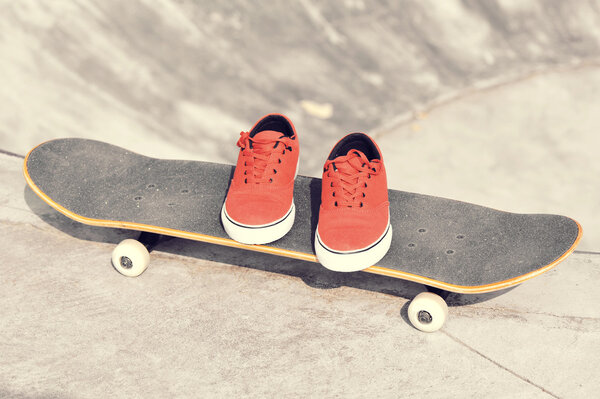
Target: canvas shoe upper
{"points": [[259, 207], [354, 230]]}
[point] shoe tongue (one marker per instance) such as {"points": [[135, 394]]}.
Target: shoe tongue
{"points": [[265, 138]]}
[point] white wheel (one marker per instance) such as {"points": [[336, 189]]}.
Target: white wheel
{"points": [[130, 258], [427, 312]]}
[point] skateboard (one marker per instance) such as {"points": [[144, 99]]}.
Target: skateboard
{"points": [[448, 245]]}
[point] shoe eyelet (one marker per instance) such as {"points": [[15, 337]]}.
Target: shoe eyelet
{"points": [[364, 195], [361, 204], [365, 184], [275, 171], [335, 204], [333, 194], [331, 184], [245, 172], [271, 180], [369, 177], [246, 181], [279, 160]]}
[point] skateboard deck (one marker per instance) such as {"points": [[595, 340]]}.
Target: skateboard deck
{"points": [[447, 244]]}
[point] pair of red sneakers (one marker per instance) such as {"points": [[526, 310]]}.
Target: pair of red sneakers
{"points": [[354, 230]]}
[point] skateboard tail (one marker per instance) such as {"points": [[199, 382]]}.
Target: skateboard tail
{"points": [[480, 289]]}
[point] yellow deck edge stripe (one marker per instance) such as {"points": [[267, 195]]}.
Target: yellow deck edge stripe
{"points": [[294, 254]]}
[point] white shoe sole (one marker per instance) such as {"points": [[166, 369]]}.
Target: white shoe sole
{"points": [[353, 261], [258, 234]]}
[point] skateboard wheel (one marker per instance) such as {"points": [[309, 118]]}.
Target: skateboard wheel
{"points": [[130, 258], [427, 312]]}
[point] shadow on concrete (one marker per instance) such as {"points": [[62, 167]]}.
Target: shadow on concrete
{"points": [[75, 229], [312, 274]]}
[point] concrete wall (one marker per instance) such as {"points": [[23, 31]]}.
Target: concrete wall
{"points": [[182, 78]]}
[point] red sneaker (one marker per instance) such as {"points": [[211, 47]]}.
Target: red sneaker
{"points": [[354, 230], [259, 207]]}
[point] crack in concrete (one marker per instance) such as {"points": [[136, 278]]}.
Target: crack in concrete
{"points": [[26, 224], [587, 252], [489, 359], [507, 312], [11, 154]]}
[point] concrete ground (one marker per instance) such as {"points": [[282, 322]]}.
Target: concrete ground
{"points": [[210, 321], [489, 102]]}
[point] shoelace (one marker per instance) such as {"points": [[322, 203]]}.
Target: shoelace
{"points": [[259, 162], [351, 174]]}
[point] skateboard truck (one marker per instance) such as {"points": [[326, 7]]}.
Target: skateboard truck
{"points": [[149, 240]]}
